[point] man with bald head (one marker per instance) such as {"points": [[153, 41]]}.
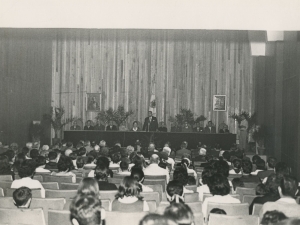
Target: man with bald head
{"points": [[153, 169]]}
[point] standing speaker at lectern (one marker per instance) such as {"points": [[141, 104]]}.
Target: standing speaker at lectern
{"points": [[150, 123]]}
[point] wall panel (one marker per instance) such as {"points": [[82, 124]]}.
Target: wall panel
{"points": [[184, 69]]}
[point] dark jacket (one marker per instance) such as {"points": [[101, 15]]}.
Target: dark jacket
{"points": [[105, 186], [210, 131], [262, 200], [88, 128], [113, 127], [150, 126], [75, 128]]}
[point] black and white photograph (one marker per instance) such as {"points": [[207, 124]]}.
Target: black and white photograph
{"points": [[219, 103]]}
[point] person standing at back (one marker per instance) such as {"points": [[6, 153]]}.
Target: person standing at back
{"points": [[150, 123]]}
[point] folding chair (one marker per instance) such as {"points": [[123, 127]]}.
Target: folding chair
{"points": [[231, 209], [67, 194], [50, 185], [114, 218], [250, 185], [249, 198], [35, 177], [23, 216], [5, 184], [152, 206], [205, 195], [45, 204], [1, 192], [79, 179], [58, 179], [191, 197], [36, 193], [68, 186], [154, 182], [217, 219], [154, 196], [59, 217], [104, 202], [245, 191], [115, 180], [6, 178], [191, 187], [256, 209], [157, 188], [108, 195], [198, 218], [155, 177]]}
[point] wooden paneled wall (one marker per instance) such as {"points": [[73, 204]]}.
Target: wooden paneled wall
{"points": [[25, 81], [184, 69]]}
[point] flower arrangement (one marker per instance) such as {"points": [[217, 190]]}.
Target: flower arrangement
{"points": [[250, 118], [186, 115]]}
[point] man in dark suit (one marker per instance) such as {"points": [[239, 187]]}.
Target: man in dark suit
{"points": [[88, 125], [198, 129], [111, 126], [210, 129], [150, 123], [99, 126], [75, 126]]}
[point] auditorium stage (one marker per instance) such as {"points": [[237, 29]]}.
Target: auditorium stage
{"points": [[159, 138]]}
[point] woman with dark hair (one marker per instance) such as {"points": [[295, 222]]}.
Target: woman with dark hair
{"points": [[186, 163], [139, 176], [101, 175], [180, 212], [206, 175], [237, 167], [273, 217], [102, 161], [88, 186], [220, 189], [128, 198], [138, 161], [40, 165], [64, 166], [180, 174], [135, 126], [5, 168], [174, 192]]}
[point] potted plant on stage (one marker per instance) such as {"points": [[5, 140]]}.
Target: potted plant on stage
{"points": [[55, 117], [36, 131], [259, 136]]}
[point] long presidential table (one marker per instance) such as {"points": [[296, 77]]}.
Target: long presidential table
{"points": [[159, 138]]}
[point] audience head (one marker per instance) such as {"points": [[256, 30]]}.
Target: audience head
{"points": [[184, 145], [52, 156], [272, 217], [25, 151], [29, 145], [27, 168], [151, 146], [219, 185], [156, 219], [4, 164], [22, 197], [102, 143], [86, 210], [282, 169], [129, 187], [255, 158], [81, 151], [124, 166], [40, 161], [103, 161], [222, 167], [87, 143], [180, 212], [260, 164], [226, 155], [237, 165], [10, 155], [186, 162], [272, 184], [154, 159], [218, 211], [80, 162], [69, 144], [101, 173], [247, 167], [68, 152], [138, 174], [129, 149], [116, 158], [65, 164], [174, 191], [207, 174], [88, 186], [20, 158], [260, 189], [237, 182], [167, 150], [272, 162], [104, 151], [73, 156], [288, 187], [181, 175]]}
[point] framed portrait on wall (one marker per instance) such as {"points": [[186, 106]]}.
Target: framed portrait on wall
{"points": [[93, 102], [219, 103]]}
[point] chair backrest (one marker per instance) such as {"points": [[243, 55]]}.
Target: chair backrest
{"points": [[86, 172], [50, 185], [1, 192], [256, 209], [79, 179], [108, 195], [191, 187], [157, 188], [155, 177], [245, 191], [59, 217], [250, 185], [6, 178], [191, 197], [162, 206], [36, 193], [217, 219], [104, 202], [152, 206], [38, 177], [58, 179], [5, 184], [115, 180], [78, 174], [22, 216], [67, 194], [115, 218], [154, 196], [249, 198], [231, 209], [196, 207], [205, 195], [153, 182], [198, 218], [44, 203], [120, 176], [68, 186]]}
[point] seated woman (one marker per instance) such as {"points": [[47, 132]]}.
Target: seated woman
{"points": [[89, 186], [101, 175], [135, 127], [180, 212], [174, 192], [138, 161], [102, 161], [186, 162], [22, 197], [220, 189], [139, 176], [181, 175], [237, 167], [115, 161], [128, 198], [206, 175], [260, 166], [41, 163], [26, 172], [5, 168], [64, 166]]}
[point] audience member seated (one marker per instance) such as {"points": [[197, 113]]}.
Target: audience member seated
{"points": [[183, 150], [226, 157], [90, 162], [206, 175], [202, 150], [186, 163], [80, 162], [281, 169], [73, 157], [128, 198], [180, 212], [210, 128], [26, 151], [22, 197], [170, 161], [89, 186], [181, 175], [162, 127], [64, 167], [5, 168], [87, 210], [198, 128], [287, 204], [216, 211], [87, 146], [154, 170], [138, 175], [101, 175], [26, 171], [102, 161], [247, 177], [236, 182], [34, 153], [260, 166], [41, 164], [156, 219], [138, 161], [270, 168], [272, 217], [237, 167], [174, 192], [82, 152], [272, 194], [220, 189], [19, 159], [124, 168]]}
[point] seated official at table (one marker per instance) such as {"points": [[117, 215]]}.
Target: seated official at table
{"points": [[162, 127], [224, 129], [123, 126], [186, 127], [210, 129], [111, 126], [150, 123], [75, 126], [135, 127], [175, 127], [198, 128], [88, 125], [99, 126]]}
